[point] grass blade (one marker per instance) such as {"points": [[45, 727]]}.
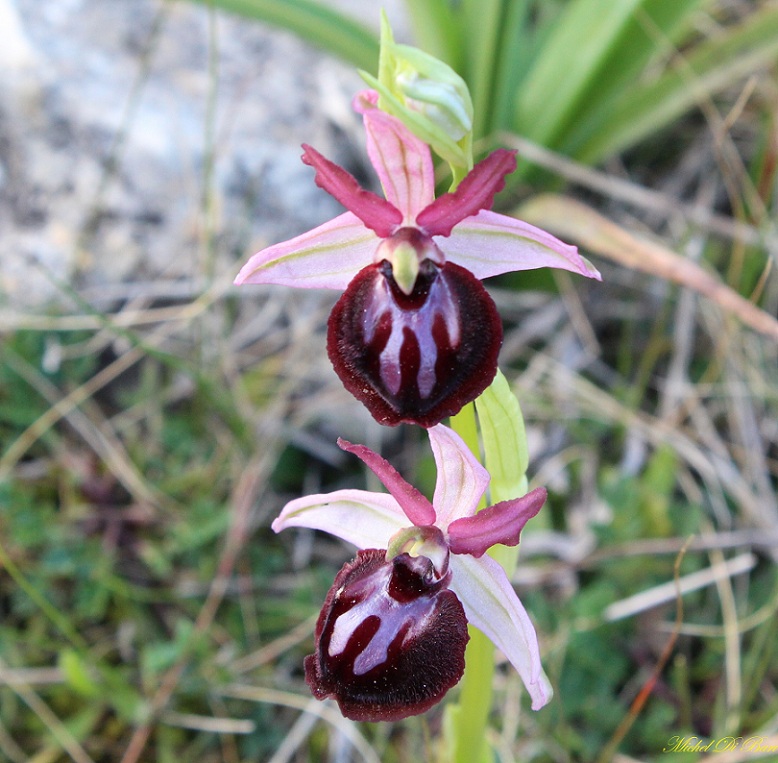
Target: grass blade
{"points": [[567, 66], [651, 33], [437, 30], [512, 62], [323, 27], [711, 67], [482, 20]]}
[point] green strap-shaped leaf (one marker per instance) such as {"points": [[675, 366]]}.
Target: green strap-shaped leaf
{"points": [[437, 30], [482, 19], [504, 440], [321, 26], [511, 64], [709, 68], [570, 60], [649, 37]]}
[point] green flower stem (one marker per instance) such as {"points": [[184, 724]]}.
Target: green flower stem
{"points": [[475, 700], [505, 455], [471, 718]]}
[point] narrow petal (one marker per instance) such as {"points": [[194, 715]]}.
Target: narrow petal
{"points": [[489, 244], [491, 605], [402, 161], [376, 213], [416, 507], [475, 192], [461, 479], [327, 257], [501, 523], [368, 520]]}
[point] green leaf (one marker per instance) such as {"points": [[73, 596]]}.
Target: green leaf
{"points": [[652, 32], [77, 674], [436, 30], [511, 63], [482, 19], [709, 68], [321, 26], [567, 65], [504, 440]]}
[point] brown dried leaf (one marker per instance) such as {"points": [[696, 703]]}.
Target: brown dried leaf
{"points": [[575, 221]]}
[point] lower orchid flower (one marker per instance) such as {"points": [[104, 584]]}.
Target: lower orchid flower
{"points": [[391, 636], [415, 336]]}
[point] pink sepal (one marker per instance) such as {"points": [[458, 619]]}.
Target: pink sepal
{"points": [[475, 192], [462, 480], [327, 257], [402, 161], [416, 507], [501, 523], [491, 605], [367, 520], [376, 213], [490, 243]]}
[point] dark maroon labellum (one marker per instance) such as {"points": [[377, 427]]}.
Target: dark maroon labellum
{"points": [[415, 357], [390, 639]]}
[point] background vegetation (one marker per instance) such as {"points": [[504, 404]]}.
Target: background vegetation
{"points": [[147, 612]]}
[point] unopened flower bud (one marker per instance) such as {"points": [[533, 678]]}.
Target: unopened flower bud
{"points": [[435, 90], [428, 97]]}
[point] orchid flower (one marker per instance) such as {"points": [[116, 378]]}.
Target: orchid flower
{"points": [[415, 336], [391, 636]]}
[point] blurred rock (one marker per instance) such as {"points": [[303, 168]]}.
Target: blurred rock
{"points": [[111, 112]]}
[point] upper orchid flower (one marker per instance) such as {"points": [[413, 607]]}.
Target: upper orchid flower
{"points": [[415, 336], [390, 639]]}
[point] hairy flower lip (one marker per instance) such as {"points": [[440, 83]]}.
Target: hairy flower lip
{"points": [[416, 357], [370, 520], [389, 644]]}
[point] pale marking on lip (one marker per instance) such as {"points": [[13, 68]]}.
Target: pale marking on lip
{"points": [[439, 302]]}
